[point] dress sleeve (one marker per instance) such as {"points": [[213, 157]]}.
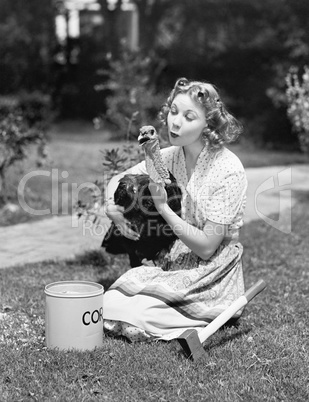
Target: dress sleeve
{"points": [[221, 201], [140, 168]]}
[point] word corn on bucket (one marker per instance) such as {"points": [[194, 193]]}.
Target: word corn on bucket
{"points": [[74, 315]]}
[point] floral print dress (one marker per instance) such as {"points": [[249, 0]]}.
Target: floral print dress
{"points": [[184, 291]]}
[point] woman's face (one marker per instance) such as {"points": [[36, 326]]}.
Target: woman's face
{"points": [[185, 121]]}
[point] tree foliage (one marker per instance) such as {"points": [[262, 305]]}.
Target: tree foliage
{"points": [[27, 40], [244, 47]]}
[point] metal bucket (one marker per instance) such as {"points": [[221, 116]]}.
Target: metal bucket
{"points": [[74, 315]]}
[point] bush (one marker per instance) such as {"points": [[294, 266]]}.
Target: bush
{"points": [[130, 83], [23, 123], [36, 109], [114, 161], [298, 105]]}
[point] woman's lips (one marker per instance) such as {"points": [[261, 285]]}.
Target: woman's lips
{"points": [[174, 135]]}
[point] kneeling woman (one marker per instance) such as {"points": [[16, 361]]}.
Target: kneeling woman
{"points": [[202, 274]]}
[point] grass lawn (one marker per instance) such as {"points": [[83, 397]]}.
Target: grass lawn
{"points": [[264, 358], [75, 157]]}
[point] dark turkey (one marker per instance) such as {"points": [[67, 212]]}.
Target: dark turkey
{"points": [[133, 194]]}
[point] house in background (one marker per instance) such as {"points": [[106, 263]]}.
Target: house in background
{"points": [[85, 35], [77, 18]]}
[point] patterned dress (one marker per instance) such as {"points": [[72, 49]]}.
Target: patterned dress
{"points": [[184, 291]]}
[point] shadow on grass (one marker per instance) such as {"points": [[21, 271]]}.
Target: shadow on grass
{"points": [[224, 336], [220, 339], [108, 267]]}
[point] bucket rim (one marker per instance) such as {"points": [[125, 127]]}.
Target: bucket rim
{"points": [[98, 289]]}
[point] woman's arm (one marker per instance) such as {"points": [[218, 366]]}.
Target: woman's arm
{"points": [[112, 187], [202, 242], [115, 212]]}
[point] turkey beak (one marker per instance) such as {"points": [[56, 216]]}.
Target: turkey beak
{"points": [[142, 138]]}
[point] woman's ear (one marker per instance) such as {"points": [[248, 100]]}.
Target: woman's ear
{"points": [[205, 133]]}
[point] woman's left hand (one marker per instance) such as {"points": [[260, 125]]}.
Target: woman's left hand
{"points": [[159, 195]]}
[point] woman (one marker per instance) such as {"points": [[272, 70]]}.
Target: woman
{"points": [[202, 274]]}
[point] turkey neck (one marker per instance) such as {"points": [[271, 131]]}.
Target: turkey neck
{"points": [[155, 165]]}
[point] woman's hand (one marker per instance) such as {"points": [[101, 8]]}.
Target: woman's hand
{"points": [[115, 213], [159, 195]]}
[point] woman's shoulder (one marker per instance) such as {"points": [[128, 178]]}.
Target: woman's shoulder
{"points": [[169, 154], [226, 167], [228, 160]]}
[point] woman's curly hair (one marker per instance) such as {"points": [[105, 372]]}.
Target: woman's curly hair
{"points": [[222, 128]]}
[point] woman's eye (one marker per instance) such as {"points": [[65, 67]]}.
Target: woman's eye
{"points": [[173, 110], [189, 117]]}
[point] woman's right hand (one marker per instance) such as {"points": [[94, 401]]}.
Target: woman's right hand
{"points": [[115, 213]]}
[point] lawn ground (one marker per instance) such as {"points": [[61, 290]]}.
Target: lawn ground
{"points": [[264, 358]]}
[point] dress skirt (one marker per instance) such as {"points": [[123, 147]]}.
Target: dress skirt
{"points": [[184, 292]]}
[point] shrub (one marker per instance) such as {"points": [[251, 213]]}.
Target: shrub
{"points": [[23, 123], [130, 84], [36, 109], [298, 105], [114, 161]]}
